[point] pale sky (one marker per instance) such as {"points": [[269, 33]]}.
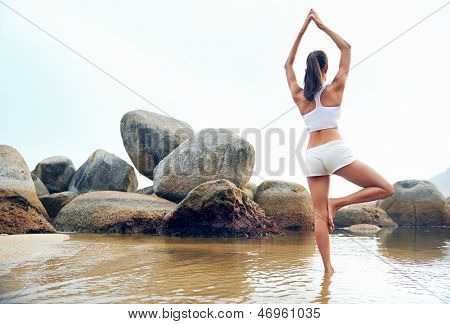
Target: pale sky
{"points": [[220, 64]]}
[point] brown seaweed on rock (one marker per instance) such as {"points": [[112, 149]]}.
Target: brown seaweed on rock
{"points": [[218, 209]]}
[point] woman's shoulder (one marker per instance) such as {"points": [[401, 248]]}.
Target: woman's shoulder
{"points": [[299, 97], [331, 96], [303, 104]]}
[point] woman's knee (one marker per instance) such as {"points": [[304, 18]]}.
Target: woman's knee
{"points": [[388, 190]]}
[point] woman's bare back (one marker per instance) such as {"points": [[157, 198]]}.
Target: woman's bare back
{"points": [[328, 98]]}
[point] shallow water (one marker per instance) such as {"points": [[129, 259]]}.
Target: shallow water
{"points": [[393, 266]]}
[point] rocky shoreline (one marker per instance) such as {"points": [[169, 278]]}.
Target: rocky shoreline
{"points": [[200, 188]]}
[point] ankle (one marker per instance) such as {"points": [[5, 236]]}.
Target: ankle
{"points": [[329, 268]]}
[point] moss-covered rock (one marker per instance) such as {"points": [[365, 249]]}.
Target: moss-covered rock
{"points": [[113, 212], [288, 204], [218, 208]]}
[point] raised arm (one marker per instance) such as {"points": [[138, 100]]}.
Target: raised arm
{"points": [[290, 74], [345, 48]]}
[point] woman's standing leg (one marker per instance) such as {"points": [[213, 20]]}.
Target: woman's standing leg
{"points": [[319, 187]]}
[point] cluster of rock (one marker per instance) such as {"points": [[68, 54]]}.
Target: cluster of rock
{"points": [[414, 203], [200, 188]]}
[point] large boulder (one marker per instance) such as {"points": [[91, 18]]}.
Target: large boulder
{"points": [[218, 208], [40, 187], [20, 209], [211, 154], [362, 214], [113, 212], [55, 172], [148, 137], [288, 204], [416, 203], [53, 203], [104, 171]]}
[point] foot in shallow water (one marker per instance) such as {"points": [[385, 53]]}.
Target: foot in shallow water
{"points": [[329, 269]]}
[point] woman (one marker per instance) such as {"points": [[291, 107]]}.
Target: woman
{"points": [[327, 153]]}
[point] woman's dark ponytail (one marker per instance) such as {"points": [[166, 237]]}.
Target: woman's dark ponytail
{"points": [[315, 62]]}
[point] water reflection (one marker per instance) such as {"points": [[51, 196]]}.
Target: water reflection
{"points": [[324, 296], [417, 244]]}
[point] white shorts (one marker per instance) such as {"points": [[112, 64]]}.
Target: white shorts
{"points": [[325, 159]]}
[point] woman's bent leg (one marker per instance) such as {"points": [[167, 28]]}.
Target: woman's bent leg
{"points": [[374, 185]]}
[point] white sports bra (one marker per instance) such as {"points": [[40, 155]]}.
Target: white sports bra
{"points": [[321, 117]]}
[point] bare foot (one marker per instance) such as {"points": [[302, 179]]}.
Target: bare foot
{"points": [[329, 269], [332, 208]]}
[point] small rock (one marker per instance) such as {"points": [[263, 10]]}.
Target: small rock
{"points": [[362, 214], [41, 189], [53, 203], [363, 228], [146, 191]]}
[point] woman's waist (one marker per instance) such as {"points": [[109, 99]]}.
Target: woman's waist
{"points": [[321, 137]]}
